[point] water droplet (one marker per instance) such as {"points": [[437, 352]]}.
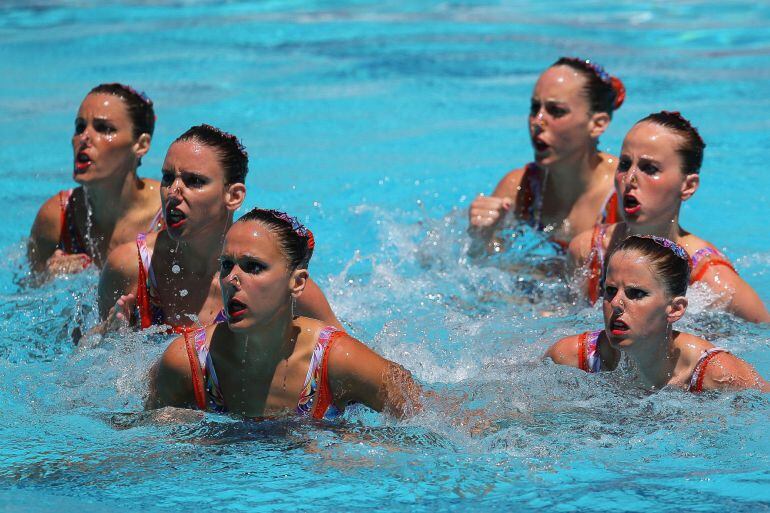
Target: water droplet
{"points": [[175, 269], [183, 292]]}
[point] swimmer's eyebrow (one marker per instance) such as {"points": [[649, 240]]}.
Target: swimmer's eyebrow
{"points": [[184, 172], [242, 256]]}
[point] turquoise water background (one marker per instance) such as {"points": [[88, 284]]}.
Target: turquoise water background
{"points": [[377, 123]]}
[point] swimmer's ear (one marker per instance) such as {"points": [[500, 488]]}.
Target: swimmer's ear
{"points": [[689, 186], [298, 281], [676, 309], [598, 124], [142, 145], [235, 193]]}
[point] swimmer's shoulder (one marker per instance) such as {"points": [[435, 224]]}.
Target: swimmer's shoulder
{"points": [[509, 185], [690, 347], [692, 243], [310, 329], [565, 351], [47, 222], [724, 371], [582, 244], [606, 169], [150, 195], [171, 377]]}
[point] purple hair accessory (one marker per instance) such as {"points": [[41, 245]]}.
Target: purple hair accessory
{"points": [[669, 244], [296, 226]]}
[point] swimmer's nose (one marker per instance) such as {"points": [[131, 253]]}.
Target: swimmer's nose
{"points": [[83, 138], [538, 120], [617, 304], [175, 188]]}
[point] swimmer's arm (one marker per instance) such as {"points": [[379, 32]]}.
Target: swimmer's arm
{"points": [[564, 352], [578, 254], [44, 235], [119, 277], [358, 374], [728, 372], [508, 186], [313, 303], [486, 213], [743, 301], [579, 250], [171, 379]]}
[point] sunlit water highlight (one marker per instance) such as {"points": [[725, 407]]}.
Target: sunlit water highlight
{"points": [[377, 123]]}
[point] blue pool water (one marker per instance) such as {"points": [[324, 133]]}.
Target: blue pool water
{"points": [[377, 123]]}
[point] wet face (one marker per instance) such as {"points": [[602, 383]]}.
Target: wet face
{"points": [[193, 190], [559, 119], [254, 277], [649, 176], [635, 304], [103, 144]]}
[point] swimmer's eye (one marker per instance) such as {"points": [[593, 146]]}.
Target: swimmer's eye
{"points": [[194, 181], [534, 108], [650, 168], [252, 267], [635, 293], [624, 164], [104, 127], [556, 110], [167, 179], [80, 125], [609, 292], [225, 266]]}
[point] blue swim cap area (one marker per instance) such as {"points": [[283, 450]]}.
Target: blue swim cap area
{"points": [[376, 124]]}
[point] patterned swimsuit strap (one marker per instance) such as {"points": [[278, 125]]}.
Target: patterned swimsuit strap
{"points": [[699, 373]]}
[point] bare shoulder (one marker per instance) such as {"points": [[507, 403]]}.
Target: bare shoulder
{"points": [[47, 222], [171, 377], [565, 351], [175, 358], [580, 247], [606, 170], [690, 347], [508, 186], [692, 243], [725, 371]]}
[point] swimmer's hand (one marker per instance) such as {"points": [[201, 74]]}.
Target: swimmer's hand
{"points": [[120, 315], [65, 263], [486, 212], [118, 318]]}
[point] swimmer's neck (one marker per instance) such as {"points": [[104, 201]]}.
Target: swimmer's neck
{"points": [[264, 347], [109, 200], [667, 229], [655, 358], [572, 177], [200, 256]]}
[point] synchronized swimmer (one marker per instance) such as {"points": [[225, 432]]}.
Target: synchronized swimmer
{"points": [[240, 297]]}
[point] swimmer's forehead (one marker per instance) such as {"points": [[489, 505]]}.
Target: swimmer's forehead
{"points": [[559, 84], [249, 239], [631, 267]]}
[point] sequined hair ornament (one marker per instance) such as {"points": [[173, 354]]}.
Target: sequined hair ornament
{"points": [[614, 82], [678, 250], [296, 241], [297, 227]]}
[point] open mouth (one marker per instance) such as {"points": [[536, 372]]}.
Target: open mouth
{"points": [[539, 145], [618, 327], [631, 205], [175, 217], [235, 309], [82, 162]]}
